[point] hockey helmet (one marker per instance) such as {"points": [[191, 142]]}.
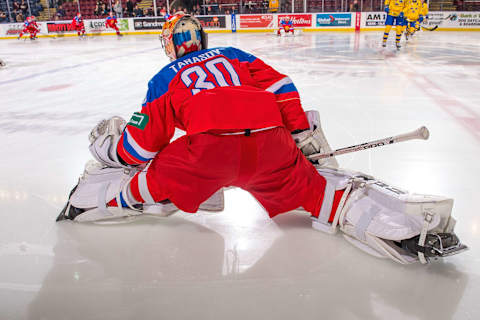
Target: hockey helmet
{"points": [[182, 34]]}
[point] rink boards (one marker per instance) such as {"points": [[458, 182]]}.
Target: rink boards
{"points": [[356, 21]]}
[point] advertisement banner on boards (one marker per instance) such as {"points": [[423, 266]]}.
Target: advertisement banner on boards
{"points": [[98, 25], [455, 19], [256, 21], [212, 22], [299, 20], [60, 27], [148, 24], [435, 18], [334, 20], [374, 19], [12, 29]]}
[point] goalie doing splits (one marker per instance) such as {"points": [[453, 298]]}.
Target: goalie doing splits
{"points": [[245, 127], [286, 25]]}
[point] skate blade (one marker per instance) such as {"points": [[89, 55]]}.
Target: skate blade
{"points": [[454, 250], [63, 213]]}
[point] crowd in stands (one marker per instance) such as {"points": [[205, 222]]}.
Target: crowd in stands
{"points": [[19, 10]]}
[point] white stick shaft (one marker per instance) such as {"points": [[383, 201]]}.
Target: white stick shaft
{"points": [[421, 133]]}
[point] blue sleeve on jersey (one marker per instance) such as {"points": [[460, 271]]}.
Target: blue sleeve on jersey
{"points": [[157, 87], [241, 55]]}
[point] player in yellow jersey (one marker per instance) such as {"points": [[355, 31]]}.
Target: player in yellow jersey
{"points": [[394, 10], [412, 14], [423, 13], [273, 5]]}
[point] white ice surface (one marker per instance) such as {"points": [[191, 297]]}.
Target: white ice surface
{"points": [[237, 264]]}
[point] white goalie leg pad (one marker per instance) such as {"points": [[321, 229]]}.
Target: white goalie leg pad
{"points": [[103, 141], [374, 215], [215, 203], [96, 187], [314, 141]]}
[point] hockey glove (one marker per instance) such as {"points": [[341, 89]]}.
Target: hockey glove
{"points": [[103, 141], [387, 9]]}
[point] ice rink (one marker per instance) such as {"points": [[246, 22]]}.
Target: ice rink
{"points": [[237, 264]]}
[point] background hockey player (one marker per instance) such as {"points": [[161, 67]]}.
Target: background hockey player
{"points": [[77, 24], [394, 10], [286, 25], [412, 14], [31, 27], [111, 22], [423, 13], [243, 123]]}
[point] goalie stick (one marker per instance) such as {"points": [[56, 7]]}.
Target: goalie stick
{"points": [[420, 133]]}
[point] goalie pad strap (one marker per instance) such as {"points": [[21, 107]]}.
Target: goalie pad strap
{"points": [[327, 204], [101, 200], [365, 221]]}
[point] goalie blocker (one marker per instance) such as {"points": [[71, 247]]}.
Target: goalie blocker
{"points": [[385, 221]]}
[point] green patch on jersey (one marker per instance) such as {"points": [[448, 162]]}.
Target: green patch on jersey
{"points": [[139, 120]]}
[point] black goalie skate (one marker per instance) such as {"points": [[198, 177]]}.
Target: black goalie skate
{"points": [[437, 245], [69, 212]]}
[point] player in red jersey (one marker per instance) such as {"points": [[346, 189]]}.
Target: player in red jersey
{"points": [[111, 22], [77, 24], [245, 127], [238, 114], [286, 25], [31, 27]]}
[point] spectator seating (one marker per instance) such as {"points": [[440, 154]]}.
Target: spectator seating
{"points": [[35, 7]]}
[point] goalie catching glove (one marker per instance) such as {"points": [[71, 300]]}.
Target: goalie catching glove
{"points": [[385, 221], [313, 140]]}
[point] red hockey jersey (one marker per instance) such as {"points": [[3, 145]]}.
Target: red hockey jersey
{"points": [[212, 90]]}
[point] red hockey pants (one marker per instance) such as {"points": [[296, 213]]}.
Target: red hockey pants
{"points": [[267, 164]]}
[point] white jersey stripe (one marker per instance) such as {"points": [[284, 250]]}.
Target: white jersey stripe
{"points": [[142, 152], [277, 85]]}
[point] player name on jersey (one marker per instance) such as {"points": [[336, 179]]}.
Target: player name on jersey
{"points": [[201, 57]]}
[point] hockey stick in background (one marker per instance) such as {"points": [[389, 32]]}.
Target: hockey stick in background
{"points": [[421, 133], [429, 29]]}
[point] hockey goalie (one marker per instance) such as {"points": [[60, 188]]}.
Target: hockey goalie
{"points": [[245, 127]]}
